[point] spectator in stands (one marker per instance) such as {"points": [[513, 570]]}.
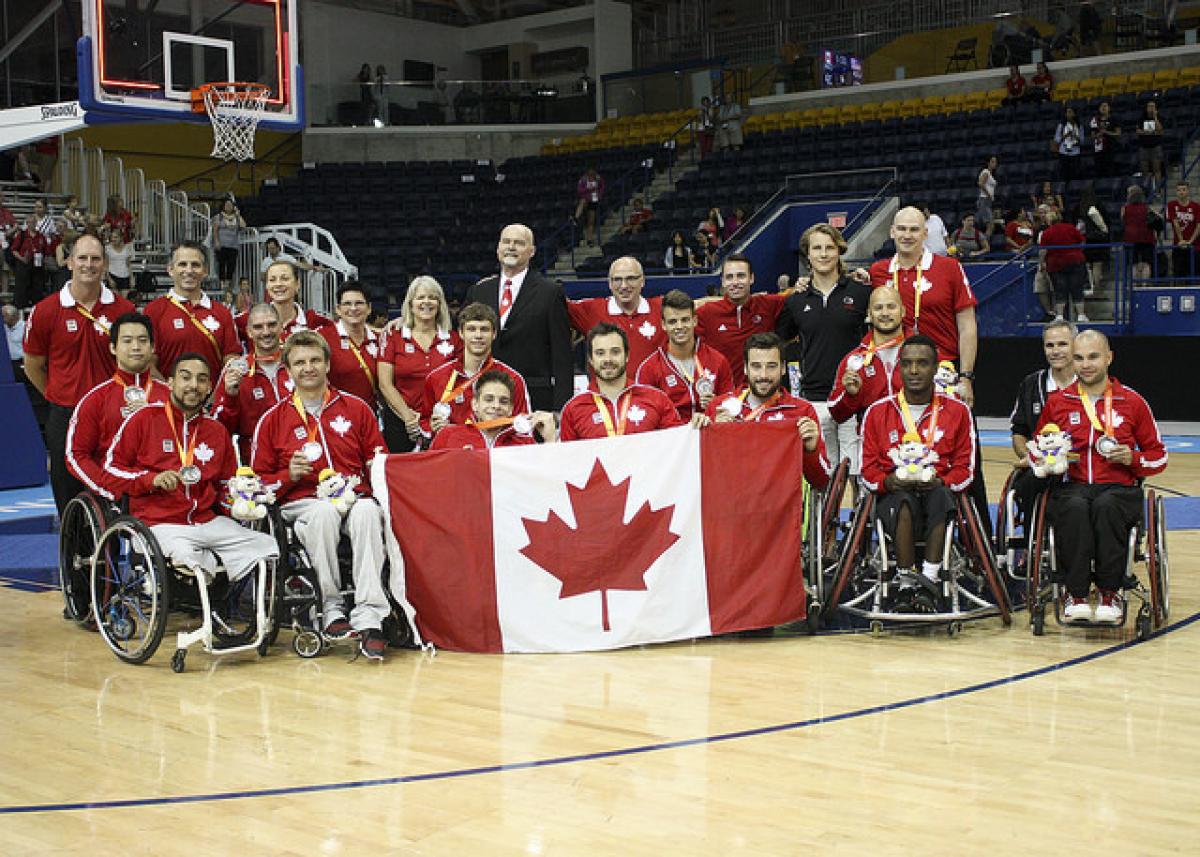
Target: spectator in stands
{"points": [[706, 123], [1183, 213], [985, 204], [118, 218], [713, 225], [679, 257], [705, 253], [28, 249], [639, 317], [424, 340], [1135, 217], [938, 239], [729, 125], [227, 227], [47, 223], [1062, 253], [1067, 138], [381, 96], [968, 241], [275, 253], [589, 191], [1150, 140], [1041, 86], [1018, 231], [1044, 194], [243, 298], [733, 223], [73, 214], [354, 348], [14, 329], [8, 229], [1095, 232], [1106, 136], [727, 323], [1090, 25], [1015, 86], [62, 252], [366, 98], [119, 255], [639, 215], [24, 170]]}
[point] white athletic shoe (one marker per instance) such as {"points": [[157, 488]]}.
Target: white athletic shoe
{"points": [[1076, 609], [1110, 608]]}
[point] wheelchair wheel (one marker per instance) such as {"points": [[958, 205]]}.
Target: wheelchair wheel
{"points": [[832, 506], [979, 550], [1156, 559], [852, 551], [1000, 534], [1038, 553], [130, 590], [82, 524]]}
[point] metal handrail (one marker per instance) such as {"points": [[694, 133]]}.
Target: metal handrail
{"points": [[308, 241]]}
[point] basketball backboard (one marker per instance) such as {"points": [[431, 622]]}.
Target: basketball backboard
{"points": [[141, 61]]}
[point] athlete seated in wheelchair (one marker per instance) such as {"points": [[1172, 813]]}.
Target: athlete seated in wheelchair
{"points": [[1087, 527], [173, 463], [917, 460]]}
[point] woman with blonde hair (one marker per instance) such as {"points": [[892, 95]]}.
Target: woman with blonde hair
{"points": [[424, 339]]}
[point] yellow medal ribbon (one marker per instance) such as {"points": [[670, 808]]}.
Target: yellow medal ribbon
{"points": [[871, 348], [197, 323], [361, 361], [623, 410], [910, 424], [83, 311], [303, 414], [185, 454], [916, 290], [757, 412], [451, 392], [1107, 428]]}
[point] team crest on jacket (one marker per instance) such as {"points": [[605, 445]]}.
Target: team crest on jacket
{"points": [[168, 445], [409, 349], [775, 417], [371, 349], [341, 425], [300, 433], [212, 324], [1075, 419], [71, 325], [893, 436], [637, 414], [445, 348], [647, 330], [204, 453], [177, 323]]}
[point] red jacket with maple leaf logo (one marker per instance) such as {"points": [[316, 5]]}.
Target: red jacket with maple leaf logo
{"points": [[1134, 427], [470, 437], [660, 372], [646, 409], [95, 422], [726, 327], [453, 375], [643, 328], [145, 446], [954, 441], [175, 333], [257, 394], [877, 383], [347, 430], [786, 408]]}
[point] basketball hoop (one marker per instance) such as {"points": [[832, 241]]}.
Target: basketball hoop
{"points": [[234, 110]]}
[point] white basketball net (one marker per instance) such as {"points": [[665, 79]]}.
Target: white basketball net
{"points": [[235, 110]]}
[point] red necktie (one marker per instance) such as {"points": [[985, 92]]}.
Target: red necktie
{"points": [[505, 301]]}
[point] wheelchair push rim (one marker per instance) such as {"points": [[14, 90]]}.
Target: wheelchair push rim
{"points": [[82, 524], [130, 590]]}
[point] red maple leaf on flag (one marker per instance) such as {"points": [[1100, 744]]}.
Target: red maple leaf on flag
{"points": [[601, 552]]}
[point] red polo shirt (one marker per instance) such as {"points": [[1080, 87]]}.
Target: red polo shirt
{"points": [[205, 327], [945, 291], [726, 327], [643, 327]]}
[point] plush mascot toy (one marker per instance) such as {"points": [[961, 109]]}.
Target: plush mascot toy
{"points": [[1050, 452], [913, 459], [248, 498], [945, 380], [337, 489]]}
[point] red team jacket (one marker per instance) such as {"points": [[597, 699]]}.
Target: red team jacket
{"points": [[451, 374], [643, 329], [257, 394], [945, 291], [177, 329], [785, 408], [145, 446], [95, 423], [727, 327], [877, 383], [658, 371], [347, 430], [954, 441], [469, 437], [1133, 425], [645, 409]]}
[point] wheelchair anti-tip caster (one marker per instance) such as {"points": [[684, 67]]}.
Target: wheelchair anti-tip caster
{"points": [[876, 628], [1143, 624], [1037, 619], [813, 618], [178, 660], [954, 629], [307, 644], [264, 646]]}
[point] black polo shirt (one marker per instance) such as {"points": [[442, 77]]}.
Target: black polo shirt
{"points": [[828, 329], [1031, 399]]}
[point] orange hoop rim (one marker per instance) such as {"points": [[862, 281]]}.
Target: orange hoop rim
{"points": [[232, 86]]}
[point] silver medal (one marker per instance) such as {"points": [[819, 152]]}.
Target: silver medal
{"points": [[189, 475], [704, 386], [522, 425], [240, 364], [135, 396], [855, 362], [311, 451], [1106, 445], [442, 410]]}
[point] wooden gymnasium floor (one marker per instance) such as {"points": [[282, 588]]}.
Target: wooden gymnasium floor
{"points": [[993, 742]]}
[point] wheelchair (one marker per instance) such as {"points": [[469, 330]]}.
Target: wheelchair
{"points": [[1146, 544], [822, 525], [84, 519], [133, 588], [866, 587]]}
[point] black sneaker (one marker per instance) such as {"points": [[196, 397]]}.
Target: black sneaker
{"points": [[339, 629], [372, 645]]}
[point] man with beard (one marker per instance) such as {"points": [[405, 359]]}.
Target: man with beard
{"points": [[252, 385]]}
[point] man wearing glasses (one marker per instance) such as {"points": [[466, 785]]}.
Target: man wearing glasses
{"points": [[639, 317]]}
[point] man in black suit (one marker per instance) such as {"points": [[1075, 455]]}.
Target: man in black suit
{"points": [[535, 333]]}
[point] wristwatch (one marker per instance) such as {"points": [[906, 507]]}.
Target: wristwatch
{"points": [[970, 376]]}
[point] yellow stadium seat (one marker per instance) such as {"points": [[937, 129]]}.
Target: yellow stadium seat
{"points": [[889, 109], [1066, 90], [1114, 83], [773, 122], [1189, 76], [995, 96], [1091, 87], [974, 101], [1165, 78], [826, 115], [869, 111], [953, 103], [930, 104], [1141, 81], [910, 107], [808, 118]]}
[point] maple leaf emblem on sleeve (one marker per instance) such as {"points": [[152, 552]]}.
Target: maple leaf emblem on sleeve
{"points": [[602, 551]]}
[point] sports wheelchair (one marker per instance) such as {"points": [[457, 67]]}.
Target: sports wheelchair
{"points": [[83, 520], [822, 526], [1147, 543], [865, 584]]}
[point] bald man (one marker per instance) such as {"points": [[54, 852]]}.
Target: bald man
{"points": [[1117, 441], [639, 317], [535, 332]]}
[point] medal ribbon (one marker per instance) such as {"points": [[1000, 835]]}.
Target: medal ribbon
{"points": [[485, 425], [196, 322], [1091, 409], [83, 311], [451, 392], [303, 412], [911, 426], [623, 410], [872, 348], [149, 383], [185, 454], [758, 412], [916, 291]]}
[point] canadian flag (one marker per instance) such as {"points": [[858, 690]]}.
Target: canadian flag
{"points": [[599, 544]]}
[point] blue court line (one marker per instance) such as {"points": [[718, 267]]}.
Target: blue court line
{"points": [[556, 761]]}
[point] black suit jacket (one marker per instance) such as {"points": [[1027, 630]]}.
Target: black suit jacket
{"points": [[536, 341]]}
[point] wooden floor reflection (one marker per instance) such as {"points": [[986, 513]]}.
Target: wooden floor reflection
{"points": [[876, 749]]}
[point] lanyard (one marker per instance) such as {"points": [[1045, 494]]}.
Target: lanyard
{"points": [[891, 343], [623, 410], [484, 425], [451, 392], [196, 322], [303, 412], [910, 425], [83, 311], [361, 361], [916, 290], [758, 412], [1091, 409], [185, 454]]}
